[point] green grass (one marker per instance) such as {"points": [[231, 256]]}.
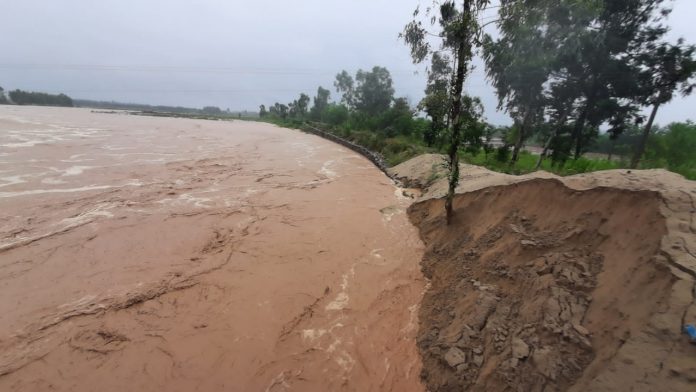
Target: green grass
{"points": [[527, 162], [394, 150]]}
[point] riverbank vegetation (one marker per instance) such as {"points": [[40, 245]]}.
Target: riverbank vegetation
{"points": [[207, 112], [20, 97], [399, 132], [574, 76]]}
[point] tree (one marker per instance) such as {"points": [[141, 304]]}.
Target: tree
{"points": [[262, 111], [668, 68], [302, 104], [471, 120], [374, 92], [321, 102], [518, 64], [3, 98], [588, 48], [280, 110], [559, 107], [437, 100], [398, 119], [345, 85], [678, 141], [459, 30], [597, 61]]}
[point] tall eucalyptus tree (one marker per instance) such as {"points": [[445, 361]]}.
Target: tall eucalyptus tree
{"points": [[458, 33], [667, 68]]}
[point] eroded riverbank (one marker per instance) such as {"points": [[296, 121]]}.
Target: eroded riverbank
{"points": [[543, 283], [159, 253]]}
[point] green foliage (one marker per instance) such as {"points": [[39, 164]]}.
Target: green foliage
{"points": [[393, 128], [673, 148], [335, 114], [565, 68], [345, 85], [459, 33], [3, 98], [321, 102], [297, 109], [394, 149], [367, 103], [436, 103], [473, 127], [20, 97], [527, 162], [519, 64], [374, 92], [278, 110], [502, 154]]}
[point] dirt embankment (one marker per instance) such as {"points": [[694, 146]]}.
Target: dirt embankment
{"points": [[580, 283]]}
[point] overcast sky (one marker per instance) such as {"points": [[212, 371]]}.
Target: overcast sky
{"points": [[233, 54]]}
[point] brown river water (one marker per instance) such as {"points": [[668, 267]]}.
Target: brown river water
{"points": [[146, 253]]}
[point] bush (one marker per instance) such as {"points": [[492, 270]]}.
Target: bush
{"points": [[336, 114]]}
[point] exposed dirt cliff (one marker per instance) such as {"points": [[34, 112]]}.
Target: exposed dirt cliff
{"points": [[545, 283]]}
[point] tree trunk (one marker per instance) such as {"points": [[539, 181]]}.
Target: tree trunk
{"points": [[544, 151], [520, 137], [580, 123], [644, 140], [559, 124], [577, 130], [456, 113], [518, 145], [612, 142]]}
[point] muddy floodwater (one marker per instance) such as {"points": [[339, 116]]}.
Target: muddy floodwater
{"points": [[146, 253]]}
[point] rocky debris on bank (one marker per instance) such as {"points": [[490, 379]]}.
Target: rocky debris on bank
{"points": [[540, 284], [374, 157]]}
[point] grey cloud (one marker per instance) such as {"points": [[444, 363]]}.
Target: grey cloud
{"points": [[232, 54]]}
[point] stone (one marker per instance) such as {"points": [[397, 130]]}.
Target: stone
{"points": [[520, 349], [516, 229], [463, 342], [544, 362], [454, 357], [580, 329], [462, 367], [478, 360]]}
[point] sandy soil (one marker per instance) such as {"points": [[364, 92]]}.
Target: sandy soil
{"points": [[142, 253], [580, 283]]}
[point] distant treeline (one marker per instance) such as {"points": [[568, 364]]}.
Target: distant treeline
{"points": [[211, 111], [135, 106], [20, 97]]}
